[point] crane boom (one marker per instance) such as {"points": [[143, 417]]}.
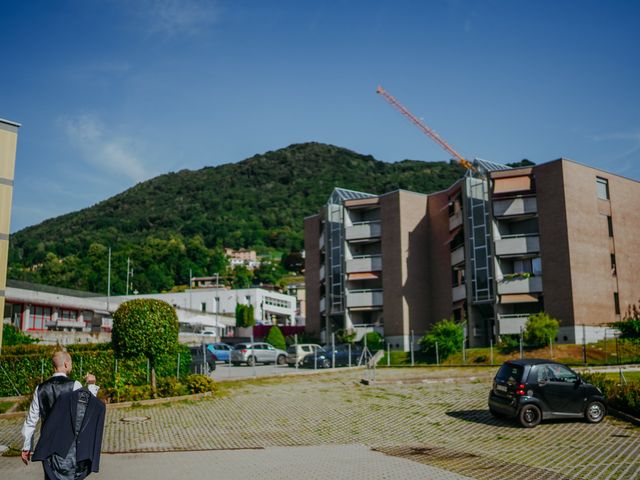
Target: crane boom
{"points": [[426, 130]]}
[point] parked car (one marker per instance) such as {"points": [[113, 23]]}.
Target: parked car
{"points": [[323, 357], [257, 352], [220, 350], [297, 352], [534, 390], [202, 360]]}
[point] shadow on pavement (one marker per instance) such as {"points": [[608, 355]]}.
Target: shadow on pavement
{"points": [[483, 417]]}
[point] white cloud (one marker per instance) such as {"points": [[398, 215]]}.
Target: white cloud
{"points": [[101, 148], [178, 17]]}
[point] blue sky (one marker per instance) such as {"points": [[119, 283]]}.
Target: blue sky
{"points": [[114, 92]]}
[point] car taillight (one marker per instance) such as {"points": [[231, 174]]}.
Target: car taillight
{"points": [[244, 350], [520, 389]]}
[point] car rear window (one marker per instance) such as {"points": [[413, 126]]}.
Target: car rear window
{"points": [[291, 349], [240, 346], [510, 373]]}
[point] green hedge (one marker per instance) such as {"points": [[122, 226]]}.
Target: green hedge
{"points": [[23, 367], [625, 398]]}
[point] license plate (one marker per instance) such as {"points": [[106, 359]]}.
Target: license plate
{"points": [[501, 388]]}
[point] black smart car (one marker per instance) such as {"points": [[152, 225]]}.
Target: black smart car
{"points": [[534, 390]]}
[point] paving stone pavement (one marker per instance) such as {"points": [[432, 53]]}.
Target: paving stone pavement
{"points": [[421, 415]]}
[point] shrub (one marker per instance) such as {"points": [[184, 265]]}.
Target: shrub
{"points": [[13, 336], [509, 343], [625, 398], [345, 336], [540, 329], [630, 325], [276, 338], [145, 327], [375, 341], [447, 334], [200, 384], [245, 316]]}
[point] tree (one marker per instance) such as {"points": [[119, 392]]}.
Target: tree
{"points": [[540, 329], [145, 328], [244, 316], [447, 334], [629, 326], [242, 277], [12, 336], [293, 262], [276, 338]]}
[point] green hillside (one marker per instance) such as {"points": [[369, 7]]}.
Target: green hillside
{"points": [[180, 221]]}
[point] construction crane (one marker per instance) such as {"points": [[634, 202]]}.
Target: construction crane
{"points": [[426, 130]]}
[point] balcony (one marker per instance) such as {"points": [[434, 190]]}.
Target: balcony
{"points": [[364, 263], [510, 324], [363, 231], [457, 256], [321, 241], [455, 220], [520, 285], [458, 293], [323, 304], [65, 323], [518, 206], [364, 298], [515, 245], [322, 273]]}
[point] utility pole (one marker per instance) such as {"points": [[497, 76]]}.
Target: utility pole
{"points": [[109, 280], [128, 273], [190, 297]]}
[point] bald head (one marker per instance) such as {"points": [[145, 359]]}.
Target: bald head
{"points": [[61, 362]]}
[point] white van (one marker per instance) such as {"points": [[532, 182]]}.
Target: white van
{"points": [[297, 352]]}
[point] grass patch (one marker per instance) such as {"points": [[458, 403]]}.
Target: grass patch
{"points": [[5, 406]]}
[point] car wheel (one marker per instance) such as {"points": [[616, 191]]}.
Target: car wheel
{"points": [[595, 412], [282, 359], [212, 367], [326, 364], [251, 361], [529, 416]]}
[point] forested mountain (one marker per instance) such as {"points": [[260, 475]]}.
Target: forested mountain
{"points": [[180, 221]]}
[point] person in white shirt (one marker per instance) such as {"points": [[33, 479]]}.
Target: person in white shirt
{"points": [[46, 394]]}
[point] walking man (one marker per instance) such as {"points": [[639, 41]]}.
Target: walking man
{"points": [[46, 394]]}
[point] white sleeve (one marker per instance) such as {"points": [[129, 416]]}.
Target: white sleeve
{"points": [[29, 426], [92, 388]]}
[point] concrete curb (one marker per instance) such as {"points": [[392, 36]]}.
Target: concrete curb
{"points": [[624, 416]]}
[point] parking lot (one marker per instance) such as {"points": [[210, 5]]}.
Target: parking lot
{"points": [[435, 417]]}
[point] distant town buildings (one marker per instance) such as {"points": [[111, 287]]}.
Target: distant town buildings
{"points": [[495, 247], [8, 143], [248, 258]]}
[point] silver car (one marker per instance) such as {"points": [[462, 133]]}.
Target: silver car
{"points": [[257, 352]]}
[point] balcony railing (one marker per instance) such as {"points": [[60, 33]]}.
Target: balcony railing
{"points": [[363, 231], [321, 241], [520, 285], [364, 263], [364, 298], [459, 292], [455, 220], [323, 304], [457, 256], [511, 323], [515, 206], [513, 245], [322, 272]]}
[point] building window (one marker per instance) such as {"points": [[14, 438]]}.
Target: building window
{"points": [[613, 264], [616, 302], [203, 306], [602, 187], [610, 225]]}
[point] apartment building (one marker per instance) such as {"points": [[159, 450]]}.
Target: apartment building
{"points": [[8, 143], [476, 252], [346, 248], [567, 241]]}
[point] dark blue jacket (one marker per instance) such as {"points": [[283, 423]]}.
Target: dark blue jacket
{"points": [[57, 434]]}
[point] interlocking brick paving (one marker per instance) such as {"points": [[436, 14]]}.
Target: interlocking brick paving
{"points": [[416, 414]]}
